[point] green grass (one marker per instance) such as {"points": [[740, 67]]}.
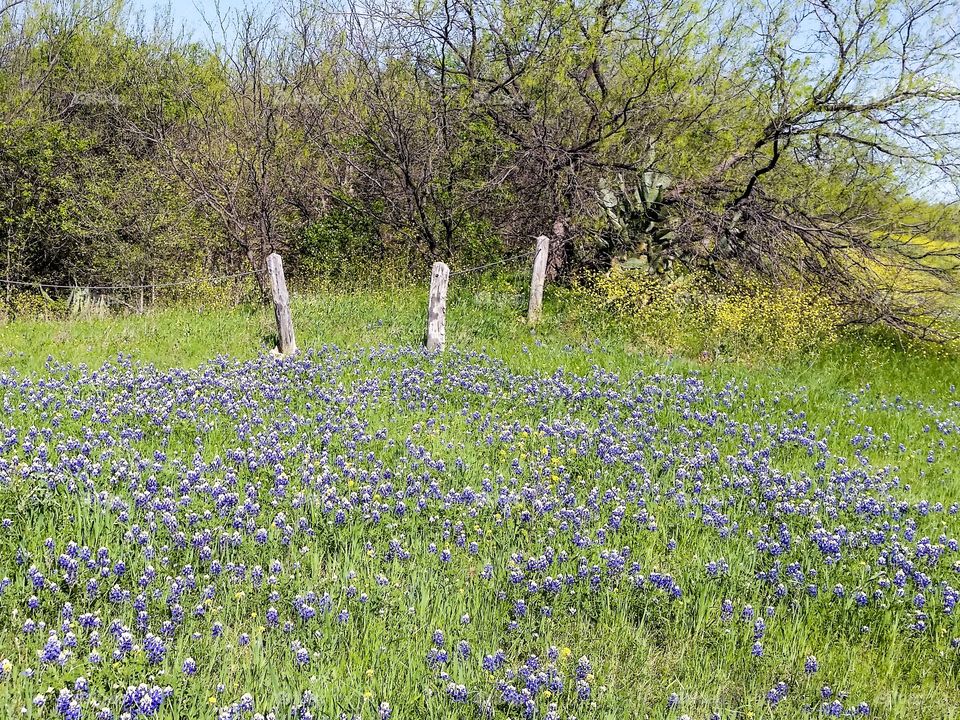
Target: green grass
{"points": [[642, 647], [488, 318], [480, 317]]}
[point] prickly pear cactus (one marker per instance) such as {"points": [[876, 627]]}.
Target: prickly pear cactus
{"points": [[638, 221]]}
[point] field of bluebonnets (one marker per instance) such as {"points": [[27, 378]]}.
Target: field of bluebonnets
{"points": [[545, 526]]}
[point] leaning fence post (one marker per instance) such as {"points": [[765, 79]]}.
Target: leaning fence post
{"points": [[281, 305], [536, 280], [437, 308]]}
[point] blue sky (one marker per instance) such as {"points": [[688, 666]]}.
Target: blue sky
{"points": [[188, 13]]}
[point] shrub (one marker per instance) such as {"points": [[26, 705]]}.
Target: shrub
{"points": [[691, 313], [337, 248], [32, 304], [760, 318]]}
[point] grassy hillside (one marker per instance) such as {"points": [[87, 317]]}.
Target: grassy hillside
{"points": [[480, 317], [368, 530]]}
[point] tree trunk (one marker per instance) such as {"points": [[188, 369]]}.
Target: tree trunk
{"points": [[259, 267], [557, 260]]}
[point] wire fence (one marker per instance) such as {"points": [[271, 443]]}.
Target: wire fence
{"points": [[80, 295], [38, 284], [495, 263]]}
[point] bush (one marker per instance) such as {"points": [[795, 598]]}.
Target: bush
{"points": [[760, 318], [339, 247], [32, 304], [690, 313]]}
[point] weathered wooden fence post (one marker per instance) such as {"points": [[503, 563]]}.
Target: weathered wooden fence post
{"points": [[536, 280], [281, 305], [437, 308]]}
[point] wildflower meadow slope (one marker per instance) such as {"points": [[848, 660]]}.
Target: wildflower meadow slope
{"points": [[380, 533]]}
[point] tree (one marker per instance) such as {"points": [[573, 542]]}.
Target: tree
{"points": [[852, 129], [222, 129]]}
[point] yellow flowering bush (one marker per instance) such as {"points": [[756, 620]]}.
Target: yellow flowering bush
{"points": [[641, 295], [31, 304], [783, 320], [692, 313]]}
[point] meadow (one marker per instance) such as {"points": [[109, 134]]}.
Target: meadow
{"points": [[565, 522]]}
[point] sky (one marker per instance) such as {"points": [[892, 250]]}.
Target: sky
{"points": [[188, 13], [192, 16]]}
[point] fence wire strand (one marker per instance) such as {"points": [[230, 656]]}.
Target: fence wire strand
{"points": [[502, 261], [229, 276], [148, 286]]}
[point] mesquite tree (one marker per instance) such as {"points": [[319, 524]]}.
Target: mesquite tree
{"points": [[853, 129]]}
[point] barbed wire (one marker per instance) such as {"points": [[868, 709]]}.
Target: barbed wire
{"points": [[230, 276], [147, 286], [502, 261]]}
